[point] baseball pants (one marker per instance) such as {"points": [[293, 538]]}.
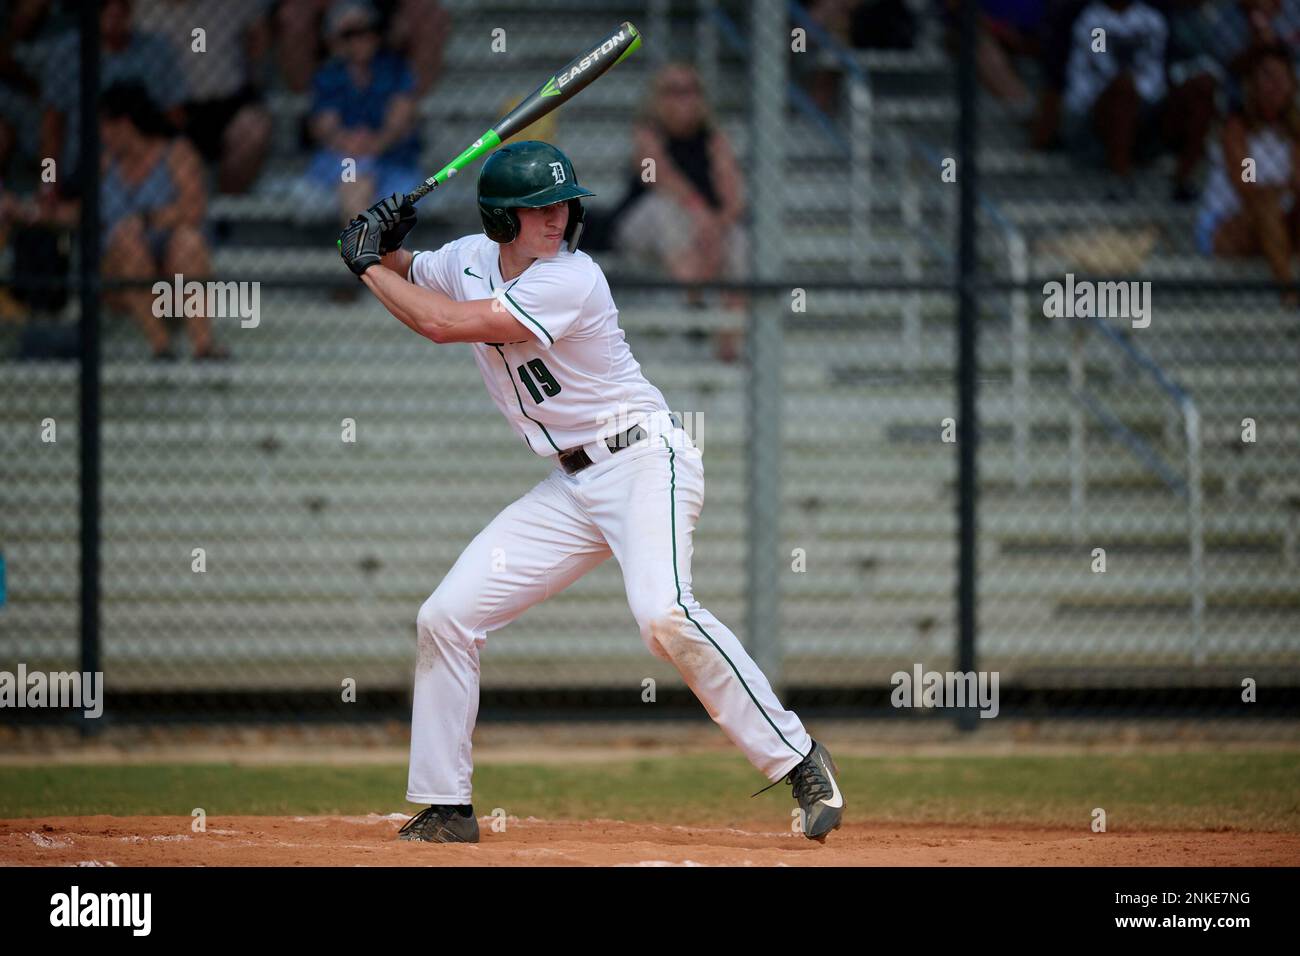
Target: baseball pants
{"points": [[641, 505]]}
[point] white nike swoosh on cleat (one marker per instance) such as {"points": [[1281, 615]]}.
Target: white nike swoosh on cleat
{"points": [[837, 799]]}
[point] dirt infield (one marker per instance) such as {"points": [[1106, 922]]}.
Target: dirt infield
{"points": [[371, 841]]}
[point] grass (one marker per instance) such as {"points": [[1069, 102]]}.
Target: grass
{"points": [[1202, 791]]}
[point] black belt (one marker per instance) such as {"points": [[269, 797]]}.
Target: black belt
{"points": [[576, 459]]}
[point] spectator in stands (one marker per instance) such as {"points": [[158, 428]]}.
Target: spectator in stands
{"points": [[41, 265], [126, 55], [1056, 34], [817, 70], [1250, 205], [363, 112], [1117, 95], [1236, 30], [1195, 78], [1006, 30], [686, 219], [20, 90], [152, 204], [1228, 33], [224, 116], [417, 29], [852, 25], [35, 246]]}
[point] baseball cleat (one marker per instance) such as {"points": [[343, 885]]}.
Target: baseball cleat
{"points": [[818, 792], [440, 824]]}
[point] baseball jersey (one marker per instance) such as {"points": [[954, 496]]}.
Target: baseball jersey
{"points": [[571, 378]]}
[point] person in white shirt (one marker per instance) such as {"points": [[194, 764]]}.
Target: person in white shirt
{"points": [[225, 117], [628, 481], [1118, 100], [1246, 216]]}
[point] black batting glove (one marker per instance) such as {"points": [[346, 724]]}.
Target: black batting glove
{"points": [[359, 243], [397, 217]]}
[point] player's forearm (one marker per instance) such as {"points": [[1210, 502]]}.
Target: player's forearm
{"points": [[386, 284], [423, 311]]}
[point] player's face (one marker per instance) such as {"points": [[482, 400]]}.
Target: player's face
{"points": [[542, 230]]}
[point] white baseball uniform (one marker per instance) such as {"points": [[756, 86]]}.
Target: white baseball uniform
{"points": [[572, 381]]}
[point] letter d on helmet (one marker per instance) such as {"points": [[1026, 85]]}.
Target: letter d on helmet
{"points": [[531, 174]]}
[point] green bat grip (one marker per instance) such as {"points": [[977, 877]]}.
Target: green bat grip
{"points": [[484, 144]]}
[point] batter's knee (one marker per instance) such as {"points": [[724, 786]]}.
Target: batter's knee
{"points": [[440, 624], [677, 638], [665, 631]]}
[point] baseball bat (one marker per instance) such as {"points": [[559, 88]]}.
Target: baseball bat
{"points": [[571, 80]]}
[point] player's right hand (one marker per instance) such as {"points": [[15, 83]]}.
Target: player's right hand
{"points": [[359, 243]]}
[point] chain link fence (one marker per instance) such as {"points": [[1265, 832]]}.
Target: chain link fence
{"points": [[1136, 502], [286, 473]]}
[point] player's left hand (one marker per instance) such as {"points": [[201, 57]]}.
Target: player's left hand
{"points": [[359, 243], [398, 218]]}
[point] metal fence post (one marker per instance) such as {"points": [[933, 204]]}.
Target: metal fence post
{"points": [[1020, 368], [1078, 435], [967, 356], [767, 160], [912, 226], [860, 147], [1195, 530], [88, 433]]}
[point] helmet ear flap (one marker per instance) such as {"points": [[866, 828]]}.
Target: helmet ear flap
{"points": [[577, 219], [501, 225]]}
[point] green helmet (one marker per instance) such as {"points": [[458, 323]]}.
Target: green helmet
{"points": [[532, 174]]}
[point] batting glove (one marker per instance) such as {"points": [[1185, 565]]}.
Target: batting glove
{"points": [[359, 243], [397, 217]]}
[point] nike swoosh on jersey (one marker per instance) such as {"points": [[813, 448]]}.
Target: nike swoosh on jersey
{"points": [[468, 273], [837, 800]]}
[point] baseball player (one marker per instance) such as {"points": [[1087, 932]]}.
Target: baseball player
{"points": [[628, 480]]}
